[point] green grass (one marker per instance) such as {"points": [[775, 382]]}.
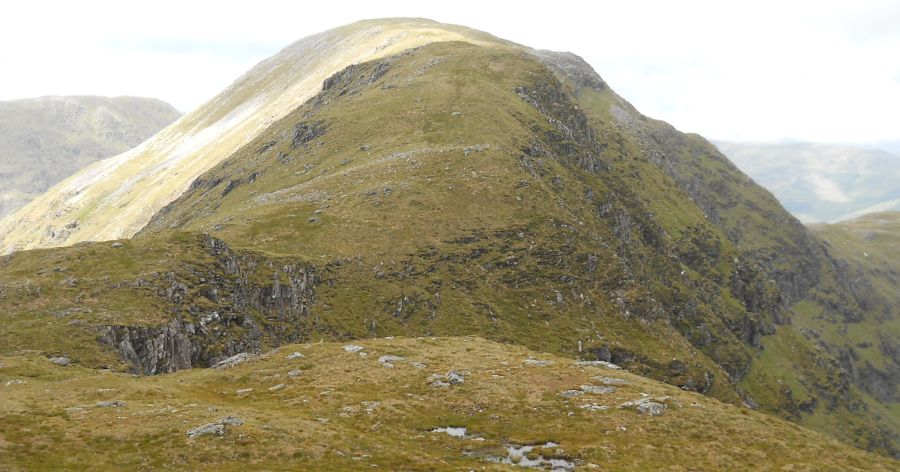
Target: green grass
{"points": [[347, 412]]}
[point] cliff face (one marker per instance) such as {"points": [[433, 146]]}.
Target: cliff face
{"points": [[866, 252], [245, 315], [44, 140]]}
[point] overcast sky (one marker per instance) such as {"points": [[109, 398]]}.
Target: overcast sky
{"points": [[752, 71]]}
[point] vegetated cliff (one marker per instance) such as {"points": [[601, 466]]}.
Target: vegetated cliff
{"points": [[868, 251], [239, 314], [161, 304], [496, 191], [44, 140]]}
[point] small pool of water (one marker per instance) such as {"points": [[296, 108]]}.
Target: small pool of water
{"points": [[519, 456], [456, 432]]}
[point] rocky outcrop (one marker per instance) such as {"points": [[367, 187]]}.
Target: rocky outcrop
{"points": [[248, 315], [639, 237], [747, 245], [152, 350], [216, 428]]}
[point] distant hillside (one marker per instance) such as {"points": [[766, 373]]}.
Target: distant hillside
{"points": [[44, 140], [822, 182], [871, 241]]}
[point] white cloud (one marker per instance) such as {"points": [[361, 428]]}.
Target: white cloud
{"points": [[819, 71]]}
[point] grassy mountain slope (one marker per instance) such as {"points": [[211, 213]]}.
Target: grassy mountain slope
{"points": [[336, 410], [861, 341], [499, 154], [114, 198], [805, 368], [461, 189], [443, 216], [44, 140]]}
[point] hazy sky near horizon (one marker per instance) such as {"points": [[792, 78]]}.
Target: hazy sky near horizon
{"points": [[751, 71]]}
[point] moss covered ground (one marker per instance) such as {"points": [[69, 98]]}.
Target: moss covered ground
{"points": [[337, 410]]}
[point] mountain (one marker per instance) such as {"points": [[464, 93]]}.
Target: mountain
{"points": [[456, 187], [822, 182], [116, 197], [44, 140]]}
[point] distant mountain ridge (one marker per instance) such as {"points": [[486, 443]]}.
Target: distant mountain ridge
{"points": [[44, 140], [822, 182]]}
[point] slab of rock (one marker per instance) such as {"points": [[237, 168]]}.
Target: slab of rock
{"points": [[353, 348], [609, 380], [277, 387], [604, 364], [111, 404], [294, 355], [61, 361], [451, 378], [571, 393], [455, 378], [593, 407], [537, 362], [210, 428], [243, 391], [651, 408], [648, 405], [234, 360], [597, 389], [217, 428], [388, 361], [295, 373]]}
